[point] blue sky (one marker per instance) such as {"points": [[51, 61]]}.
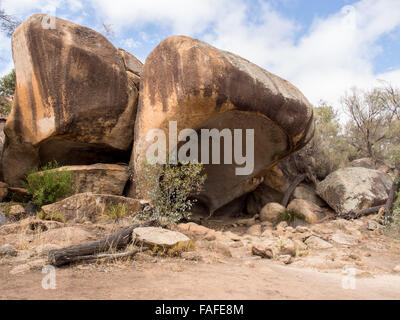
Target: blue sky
{"points": [[324, 47]]}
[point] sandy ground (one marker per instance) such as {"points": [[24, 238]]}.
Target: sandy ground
{"points": [[226, 269], [174, 279]]}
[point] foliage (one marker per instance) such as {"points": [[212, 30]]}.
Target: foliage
{"points": [[7, 84], [8, 23], [57, 216], [374, 126], [116, 212], [289, 216], [49, 185], [169, 188]]}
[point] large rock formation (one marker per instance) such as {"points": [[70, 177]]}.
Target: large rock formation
{"points": [[353, 189], [199, 86], [98, 178], [91, 206], [75, 100]]}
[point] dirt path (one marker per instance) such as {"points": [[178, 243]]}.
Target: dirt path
{"points": [[174, 279]]}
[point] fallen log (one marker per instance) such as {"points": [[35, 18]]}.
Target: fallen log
{"points": [[116, 240], [110, 256], [365, 212], [290, 190]]}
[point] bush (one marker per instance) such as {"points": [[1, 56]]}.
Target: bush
{"points": [[289, 216], [48, 185], [116, 212], [169, 188], [7, 84]]}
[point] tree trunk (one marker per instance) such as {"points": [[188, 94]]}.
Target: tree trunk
{"points": [[117, 240], [291, 189]]}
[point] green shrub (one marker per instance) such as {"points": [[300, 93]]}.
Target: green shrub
{"points": [[52, 216], [7, 84], [169, 188], [48, 185], [116, 211], [289, 216]]}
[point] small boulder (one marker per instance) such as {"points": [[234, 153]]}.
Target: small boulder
{"points": [[263, 251], [271, 211], [305, 192], [354, 189], [396, 269], [65, 236], [286, 259], [317, 243], [16, 212], [160, 237], [196, 231], [309, 211], [254, 230], [287, 247], [8, 250]]}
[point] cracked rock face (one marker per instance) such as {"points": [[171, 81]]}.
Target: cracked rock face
{"points": [[75, 100], [201, 87], [354, 189]]}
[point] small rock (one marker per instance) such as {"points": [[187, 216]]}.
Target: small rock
{"points": [[246, 222], [237, 244], [372, 225], [267, 234], [262, 251], [286, 259], [287, 247], [309, 211], [3, 219], [8, 250], [314, 242], [192, 256], [271, 211], [16, 212], [232, 236], [282, 225], [302, 229], [397, 268], [160, 237], [254, 230], [192, 229]]}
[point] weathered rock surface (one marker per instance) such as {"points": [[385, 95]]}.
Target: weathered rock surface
{"points": [[7, 250], [16, 212], [317, 243], [3, 190], [90, 206], [99, 178], [307, 210], [74, 101], [353, 189], [201, 87], [306, 192], [271, 212], [132, 63], [161, 237]]}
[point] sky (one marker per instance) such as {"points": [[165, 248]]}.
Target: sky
{"points": [[324, 47]]}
